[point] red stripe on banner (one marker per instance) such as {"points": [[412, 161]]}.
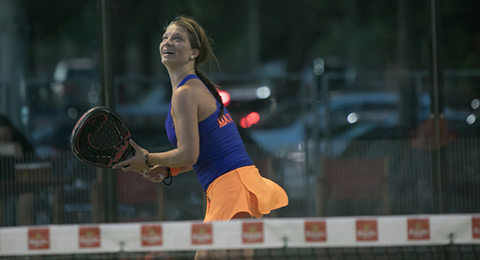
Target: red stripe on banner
{"points": [[151, 235], [89, 237], [202, 234], [38, 238], [315, 231], [366, 230], [476, 227], [252, 232], [418, 228]]}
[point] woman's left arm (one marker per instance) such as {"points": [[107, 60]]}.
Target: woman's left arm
{"points": [[185, 117]]}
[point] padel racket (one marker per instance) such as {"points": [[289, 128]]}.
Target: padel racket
{"points": [[101, 138]]}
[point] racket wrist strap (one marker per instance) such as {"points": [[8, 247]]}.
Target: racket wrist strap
{"points": [[168, 176]]}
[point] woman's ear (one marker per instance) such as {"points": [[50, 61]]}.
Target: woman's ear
{"points": [[195, 53]]}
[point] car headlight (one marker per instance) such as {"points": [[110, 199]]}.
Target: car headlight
{"points": [[263, 92]]}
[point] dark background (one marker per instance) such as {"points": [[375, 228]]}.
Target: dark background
{"points": [[348, 79]]}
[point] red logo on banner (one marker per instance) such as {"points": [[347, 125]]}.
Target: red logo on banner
{"points": [[418, 229], [202, 234], [89, 237], [152, 235], [38, 238], [252, 232], [367, 230], [315, 231], [476, 227]]}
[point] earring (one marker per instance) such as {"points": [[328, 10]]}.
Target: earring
{"points": [[191, 57]]}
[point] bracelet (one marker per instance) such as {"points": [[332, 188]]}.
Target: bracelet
{"points": [[146, 160]]}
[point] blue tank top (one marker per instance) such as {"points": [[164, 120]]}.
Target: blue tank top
{"points": [[221, 148]]}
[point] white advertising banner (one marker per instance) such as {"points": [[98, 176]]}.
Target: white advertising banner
{"points": [[365, 231]]}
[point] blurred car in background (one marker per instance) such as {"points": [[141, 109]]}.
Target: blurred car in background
{"points": [[243, 96], [347, 117], [343, 118], [75, 86], [250, 99]]}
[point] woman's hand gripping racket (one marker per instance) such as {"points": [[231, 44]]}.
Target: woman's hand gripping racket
{"points": [[101, 138], [140, 163]]}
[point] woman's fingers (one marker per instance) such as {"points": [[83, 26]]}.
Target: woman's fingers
{"points": [[135, 145], [122, 164], [154, 176], [134, 163]]}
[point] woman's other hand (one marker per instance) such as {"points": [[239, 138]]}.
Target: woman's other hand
{"points": [[156, 174], [135, 163]]}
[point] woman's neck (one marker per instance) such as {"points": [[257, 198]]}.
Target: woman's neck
{"points": [[177, 75]]}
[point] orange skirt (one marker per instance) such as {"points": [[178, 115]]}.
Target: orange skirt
{"points": [[243, 190]]}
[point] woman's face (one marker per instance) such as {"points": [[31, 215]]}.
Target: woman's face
{"points": [[175, 48]]}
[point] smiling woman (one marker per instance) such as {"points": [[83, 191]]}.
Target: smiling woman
{"points": [[205, 137]]}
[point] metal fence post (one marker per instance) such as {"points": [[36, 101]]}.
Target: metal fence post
{"points": [[108, 178]]}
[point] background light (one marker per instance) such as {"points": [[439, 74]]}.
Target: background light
{"points": [[225, 97], [352, 118], [471, 119], [250, 120], [263, 92], [475, 103]]}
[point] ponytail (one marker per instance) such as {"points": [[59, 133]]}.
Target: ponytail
{"points": [[212, 89], [199, 40]]}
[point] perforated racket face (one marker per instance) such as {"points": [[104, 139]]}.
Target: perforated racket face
{"points": [[100, 138]]}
